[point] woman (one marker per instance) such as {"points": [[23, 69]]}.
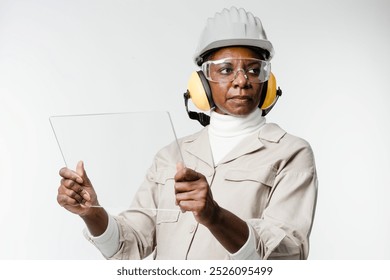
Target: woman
{"points": [[247, 190]]}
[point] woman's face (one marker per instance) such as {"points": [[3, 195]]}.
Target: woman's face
{"points": [[239, 97]]}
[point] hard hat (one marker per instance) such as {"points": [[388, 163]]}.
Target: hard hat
{"points": [[234, 27]]}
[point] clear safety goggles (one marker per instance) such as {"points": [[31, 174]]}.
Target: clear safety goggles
{"points": [[226, 70]]}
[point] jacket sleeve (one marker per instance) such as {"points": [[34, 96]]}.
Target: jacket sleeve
{"points": [[284, 228]]}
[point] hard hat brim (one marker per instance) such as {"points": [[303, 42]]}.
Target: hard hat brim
{"points": [[262, 44]]}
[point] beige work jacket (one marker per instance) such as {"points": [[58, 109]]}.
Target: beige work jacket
{"points": [[268, 180]]}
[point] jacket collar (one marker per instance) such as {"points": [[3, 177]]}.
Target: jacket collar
{"points": [[198, 143], [271, 132]]}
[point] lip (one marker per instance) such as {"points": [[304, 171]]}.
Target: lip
{"points": [[241, 97]]}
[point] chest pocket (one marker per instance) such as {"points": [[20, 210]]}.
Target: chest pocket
{"points": [[249, 189], [262, 174], [168, 211]]}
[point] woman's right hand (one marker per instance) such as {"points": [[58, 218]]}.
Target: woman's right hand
{"points": [[76, 193]]}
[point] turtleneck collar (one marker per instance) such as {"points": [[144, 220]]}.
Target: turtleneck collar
{"points": [[232, 126]]}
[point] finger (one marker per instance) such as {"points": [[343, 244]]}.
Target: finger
{"points": [[191, 175], [187, 175], [189, 196], [79, 196], [69, 197], [80, 170], [64, 200], [183, 187], [199, 185], [191, 206], [70, 184], [86, 196], [74, 195], [70, 174]]}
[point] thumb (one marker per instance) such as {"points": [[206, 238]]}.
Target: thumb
{"points": [[80, 170], [180, 165]]}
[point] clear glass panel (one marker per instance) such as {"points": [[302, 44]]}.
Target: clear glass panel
{"points": [[117, 149]]}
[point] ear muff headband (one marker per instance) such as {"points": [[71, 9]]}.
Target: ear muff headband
{"points": [[199, 91]]}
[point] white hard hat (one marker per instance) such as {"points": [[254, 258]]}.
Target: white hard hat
{"points": [[233, 27]]}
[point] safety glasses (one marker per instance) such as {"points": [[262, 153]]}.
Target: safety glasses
{"points": [[227, 70]]}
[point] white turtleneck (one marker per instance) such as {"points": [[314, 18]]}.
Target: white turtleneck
{"points": [[226, 132]]}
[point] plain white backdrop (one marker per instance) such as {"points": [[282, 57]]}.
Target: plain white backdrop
{"points": [[77, 56]]}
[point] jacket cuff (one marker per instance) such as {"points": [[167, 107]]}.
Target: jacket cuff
{"points": [[108, 242], [248, 250]]}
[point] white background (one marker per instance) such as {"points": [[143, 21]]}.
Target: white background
{"points": [[78, 56]]}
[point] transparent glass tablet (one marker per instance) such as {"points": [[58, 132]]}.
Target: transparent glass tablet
{"points": [[117, 150]]}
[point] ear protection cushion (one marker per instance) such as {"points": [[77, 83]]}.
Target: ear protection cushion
{"points": [[269, 93], [200, 92]]}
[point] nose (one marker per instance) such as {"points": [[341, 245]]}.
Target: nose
{"points": [[240, 78]]}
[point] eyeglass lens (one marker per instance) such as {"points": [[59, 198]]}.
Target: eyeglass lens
{"points": [[227, 70]]}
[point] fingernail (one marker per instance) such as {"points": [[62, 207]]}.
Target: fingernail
{"points": [[88, 204], [79, 180]]}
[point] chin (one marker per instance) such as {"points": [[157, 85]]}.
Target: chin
{"points": [[235, 113]]}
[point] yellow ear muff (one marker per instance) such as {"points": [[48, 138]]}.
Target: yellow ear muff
{"points": [[270, 97], [199, 91], [270, 94]]}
